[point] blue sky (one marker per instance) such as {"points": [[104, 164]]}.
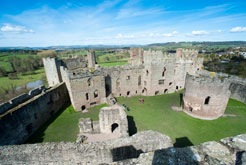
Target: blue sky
{"points": [[88, 22]]}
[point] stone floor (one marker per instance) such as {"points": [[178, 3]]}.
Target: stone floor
{"points": [[100, 137]]}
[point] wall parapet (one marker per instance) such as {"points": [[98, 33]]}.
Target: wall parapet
{"points": [[4, 107]]}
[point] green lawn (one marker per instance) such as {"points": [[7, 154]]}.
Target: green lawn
{"points": [[6, 65], [155, 114], [5, 82], [64, 125], [110, 64]]}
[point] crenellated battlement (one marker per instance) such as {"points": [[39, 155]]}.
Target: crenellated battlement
{"points": [[4, 107]]}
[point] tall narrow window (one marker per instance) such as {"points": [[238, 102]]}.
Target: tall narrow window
{"points": [[90, 82], [87, 96], [207, 100], [96, 94], [139, 80], [163, 72]]}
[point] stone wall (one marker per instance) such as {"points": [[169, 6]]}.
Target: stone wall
{"points": [[87, 92], [205, 97], [113, 120], [52, 70], [230, 150], [4, 107], [90, 153], [20, 122]]}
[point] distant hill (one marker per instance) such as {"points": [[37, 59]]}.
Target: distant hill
{"points": [[224, 44]]}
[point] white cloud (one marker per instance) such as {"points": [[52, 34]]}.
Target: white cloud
{"points": [[16, 29], [121, 36], [219, 31], [199, 32], [238, 29]]}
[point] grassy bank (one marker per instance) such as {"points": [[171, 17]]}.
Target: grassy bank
{"points": [[6, 83]]}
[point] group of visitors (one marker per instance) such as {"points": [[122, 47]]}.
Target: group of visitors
{"points": [[141, 100]]}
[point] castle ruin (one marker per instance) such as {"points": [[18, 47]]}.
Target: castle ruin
{"points": [[148, 73]]}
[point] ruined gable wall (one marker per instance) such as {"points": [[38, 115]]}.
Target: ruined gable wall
{"points": [[125, 81], [82, 91], [52, 70], [113, 115], [19, 123], [197, 91]]}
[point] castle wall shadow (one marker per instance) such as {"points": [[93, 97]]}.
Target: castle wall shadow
{"points": [[131, 126]]}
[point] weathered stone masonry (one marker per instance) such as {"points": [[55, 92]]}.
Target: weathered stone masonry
{"points": [[149, 73], [20, 122]]}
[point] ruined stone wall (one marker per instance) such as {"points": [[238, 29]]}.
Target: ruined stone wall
{"points": [[125, 81], [4, 107], [20, 122], [91, 58], [75, 63], [52, 70], [136, 56], [143, 148], [113, 120], [87, 92], [205, 97], [90, 153], [231, 150]]}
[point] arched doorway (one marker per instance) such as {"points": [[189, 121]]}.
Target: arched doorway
{"points": [[114, 127]]}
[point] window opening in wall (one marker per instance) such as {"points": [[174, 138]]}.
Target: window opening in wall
{"points": [[190, 108], [207, 100], [163, 72], [136, 92], [161, 82], [120, 94], [147, 72], [114, 127], [89, 82], [139, 80], [144, 91], [128, 77], [87, 96], [128, 93], [170, 83], [177, 87], [156, 92], [165, 91], [93, 103], [96, 94], [83, 107]]}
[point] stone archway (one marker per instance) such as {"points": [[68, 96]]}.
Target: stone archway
{"points": [[114, 127]]}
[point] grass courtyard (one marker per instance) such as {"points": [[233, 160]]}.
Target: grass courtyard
{"points": [[154, 114]]}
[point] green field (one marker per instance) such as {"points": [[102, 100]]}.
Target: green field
{"points": [[109, 64], [5, 82], [63, 126], [155, 114]]}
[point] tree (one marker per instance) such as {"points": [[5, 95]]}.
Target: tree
{"points": [[2, 72]]}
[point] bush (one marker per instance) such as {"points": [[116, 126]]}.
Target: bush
{"points": [[13, 76]]}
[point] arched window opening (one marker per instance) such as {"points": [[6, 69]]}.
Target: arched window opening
{"points": [[163, 72], [147, 72], [144, 91], [165, 91], [90, 82], [128, 93], [114, 127], [207, 100], [156, 92], [139, 80], [177, 87], [96, 94], [87, 96], [83, 107]]}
